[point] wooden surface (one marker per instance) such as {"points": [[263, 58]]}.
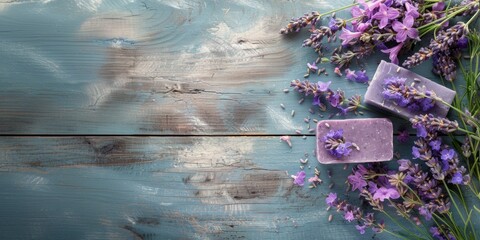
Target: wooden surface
{"points": [[124, 119]]}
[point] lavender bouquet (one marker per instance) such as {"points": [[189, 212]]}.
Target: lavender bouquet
{"points": [[427, 192]]}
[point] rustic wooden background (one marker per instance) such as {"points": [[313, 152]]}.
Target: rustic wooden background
{"points": [[124, 119]]}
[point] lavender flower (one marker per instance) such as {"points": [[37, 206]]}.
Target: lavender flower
{"points": [[443, 47], [323, 86], [406, 96], [405, 29], [309, 88], [349, 216], [444, 65], [435, 144], [296, 24], [412, 10], [356, 76], [354, 103], [425, 212], [448, 154], [434, 124], [447, 38], [336, 145], [393, 52], [356, 181], [335, 98], [335, 24], [457, 178], [473, 9], [442, 160], [435, 232], [361, 229], [299, 178], [312, 67], [331, 199], [347, 36], [430, 193], [385, 14], [386, 193]]}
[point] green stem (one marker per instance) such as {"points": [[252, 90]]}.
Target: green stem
{"points": [[453, 201], [399, 224], [457, 110], [337, 9], [473, 17], [396, 235], [424, 232]]}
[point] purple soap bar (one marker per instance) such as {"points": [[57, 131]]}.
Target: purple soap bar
{"points": [[373, 136], [385, 70]]}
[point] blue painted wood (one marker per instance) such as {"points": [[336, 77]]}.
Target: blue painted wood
{"points": [[166, 188], [155, 67], [169, 67]]}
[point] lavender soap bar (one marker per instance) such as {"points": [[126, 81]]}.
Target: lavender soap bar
{"points": [[354, 140], [374, 95]]}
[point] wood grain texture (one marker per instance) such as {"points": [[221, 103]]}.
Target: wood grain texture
{"points": [[164, 188], [155, 67], [175, 69]]}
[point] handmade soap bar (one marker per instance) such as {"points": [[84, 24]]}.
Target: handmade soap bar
{"points": [[374, 95], [372, 136]]}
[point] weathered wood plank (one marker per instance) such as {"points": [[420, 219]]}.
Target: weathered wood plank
{"points": [[154, 67], [163, 187]]}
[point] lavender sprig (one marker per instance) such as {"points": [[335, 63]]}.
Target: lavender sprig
{"points": [[406, 96], [322, 95], [336, 144], [444, 49]]}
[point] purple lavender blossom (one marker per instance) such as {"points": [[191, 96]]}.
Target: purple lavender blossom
{"points": [[336, 145], [349, 216], [434, 124], [416, 152], [385, 14], [347, 36], [372, 187], [448, 154], [299, 178], [425, 212], [312, 67], [357, 12], [421, 131], [435, 144], [457, 178], [405, 164], [296, 24], [335, 98], [435, 232], [412, 10], [393, 52], [333, 24], [396, 90], [386, 193], [331, 199], [356, 76], [363, 26], [323, 86], [357, 181], [405, 29], [437, 11], [370, 6], [361, 229], [462, 42]]}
